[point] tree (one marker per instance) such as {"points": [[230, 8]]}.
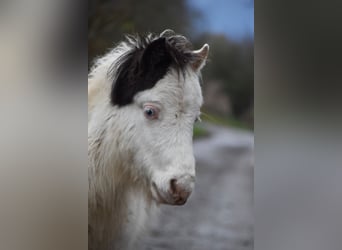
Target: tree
{"points": [[109, 19]]}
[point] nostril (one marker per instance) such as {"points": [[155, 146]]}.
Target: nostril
{"points": [[173, 186]]}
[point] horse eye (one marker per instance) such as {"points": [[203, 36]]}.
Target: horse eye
{"points": [[150, 112]]}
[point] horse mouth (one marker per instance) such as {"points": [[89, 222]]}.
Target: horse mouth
{"points": [[159, 198]]}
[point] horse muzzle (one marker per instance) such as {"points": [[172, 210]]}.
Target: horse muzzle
{"points": [[175, 192]]}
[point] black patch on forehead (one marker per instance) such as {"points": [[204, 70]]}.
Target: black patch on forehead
{"points": [[147, 62]]}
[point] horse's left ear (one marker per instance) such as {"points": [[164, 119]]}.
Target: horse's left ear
{"points": [[200, 56]]}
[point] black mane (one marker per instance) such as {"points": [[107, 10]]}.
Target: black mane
{"points": [[148, 61]]}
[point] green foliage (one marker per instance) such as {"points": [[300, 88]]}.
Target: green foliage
{"points": [[200, 131], [226, 121]]}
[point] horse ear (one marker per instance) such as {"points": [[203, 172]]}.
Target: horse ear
{"points": [[156, 56], [200, 56]]}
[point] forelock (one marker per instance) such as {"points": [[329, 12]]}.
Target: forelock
{"points": [[147, 60]]}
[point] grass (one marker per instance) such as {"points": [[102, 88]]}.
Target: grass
{"points": [[227, 121], [199, 131], [231, 122]]}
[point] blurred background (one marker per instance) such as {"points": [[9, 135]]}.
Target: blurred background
{"points": [[219, 212], [43, 128]]}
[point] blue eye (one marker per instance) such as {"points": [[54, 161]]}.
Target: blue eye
{"points": [[151, 112]]}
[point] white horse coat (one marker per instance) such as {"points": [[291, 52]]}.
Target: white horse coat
{"points": [[143, 99]]}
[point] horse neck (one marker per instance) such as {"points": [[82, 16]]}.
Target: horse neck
{"points": [[119, 217]]}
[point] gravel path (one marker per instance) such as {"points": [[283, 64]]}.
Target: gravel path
{"points": [[218, 215]]}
